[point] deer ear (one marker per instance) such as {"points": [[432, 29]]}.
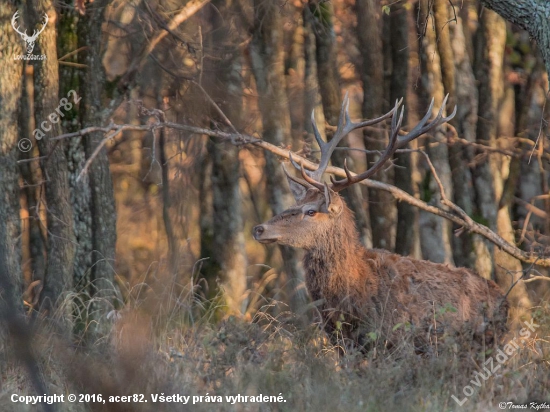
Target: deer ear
{"points": [[333, 202], [298, 190]]}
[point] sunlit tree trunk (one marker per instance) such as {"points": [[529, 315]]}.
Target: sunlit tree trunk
{"points": [[435, 232], [267, 57], [11, 80], [490, 44]]}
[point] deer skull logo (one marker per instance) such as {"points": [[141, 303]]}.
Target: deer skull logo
{"points": [[28, 39]]}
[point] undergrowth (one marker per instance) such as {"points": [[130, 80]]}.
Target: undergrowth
{"points": [[172, 343]]}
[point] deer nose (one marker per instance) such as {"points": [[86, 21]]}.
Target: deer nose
{"points": [[258, 231]]}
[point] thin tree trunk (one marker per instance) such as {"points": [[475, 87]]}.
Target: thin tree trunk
{"points": [[31, 175], [407, 234], [11, 82], [329, 88], [469, 249], [267, 58], [381, 204], [435, 233], [224, 85], [58, 277], [103, 209]]}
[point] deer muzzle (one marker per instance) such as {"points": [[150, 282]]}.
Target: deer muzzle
{"points": [[262, 235]]}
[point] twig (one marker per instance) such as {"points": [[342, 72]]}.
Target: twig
{"points": [[460, 218]]}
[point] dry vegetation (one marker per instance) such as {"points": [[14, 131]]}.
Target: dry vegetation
{"points": [[167, 341]]}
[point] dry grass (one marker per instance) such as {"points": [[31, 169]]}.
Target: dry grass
{"points": [[166, 342]]}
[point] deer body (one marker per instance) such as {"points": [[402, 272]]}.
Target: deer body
{"points": [[368, 295], [369, 290]]}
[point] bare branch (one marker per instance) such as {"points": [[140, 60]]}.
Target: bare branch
{"points": [[455, 215]]}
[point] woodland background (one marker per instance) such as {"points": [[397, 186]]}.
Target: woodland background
{"points": [[118, 233]]}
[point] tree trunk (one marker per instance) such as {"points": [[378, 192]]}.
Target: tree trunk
{"points": [[435, 232], [381, 204], [228, 260], [11, 81], [267, 58], [60, 251], [469, 249], [491, 40], [103, 211], [320, 16], [407, 234], [80, 192], [531, 15]]}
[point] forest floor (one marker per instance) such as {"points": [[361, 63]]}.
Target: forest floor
{"points": [[161, 347]]}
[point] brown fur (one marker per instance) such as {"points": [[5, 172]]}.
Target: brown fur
{"points": [[363, 291]]}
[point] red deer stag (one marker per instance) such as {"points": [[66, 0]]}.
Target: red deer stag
{"points": [[371, 295]]}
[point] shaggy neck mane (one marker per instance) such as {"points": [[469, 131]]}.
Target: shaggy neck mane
{"points": [[336, 257]]}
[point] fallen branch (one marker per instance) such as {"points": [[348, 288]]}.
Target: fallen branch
{"points": [[455, 214]]}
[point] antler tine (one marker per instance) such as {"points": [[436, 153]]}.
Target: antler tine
{"points": [[316, 132], [422, 127], [395, 142], [13, 22], [295, 179], [308, 179], [388, 153], [345, 126]]}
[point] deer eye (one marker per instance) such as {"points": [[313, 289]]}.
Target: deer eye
{"points": [[311, 212]]}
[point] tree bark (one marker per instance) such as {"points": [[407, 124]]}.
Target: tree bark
{"points": [[320, 15], [381, 204], [103, 210], [267, 58], [80, 192], [491, 40], [531, 15], [407, 234], [435, 233], [228, 260], [460, 156], [60, 251], [11, 81]]}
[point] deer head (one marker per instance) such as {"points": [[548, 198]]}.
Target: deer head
{"points": [[319, 208], [30, 40]]}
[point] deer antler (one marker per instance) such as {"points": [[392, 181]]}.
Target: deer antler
{"points": [[345, 126], [13, 21]]}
